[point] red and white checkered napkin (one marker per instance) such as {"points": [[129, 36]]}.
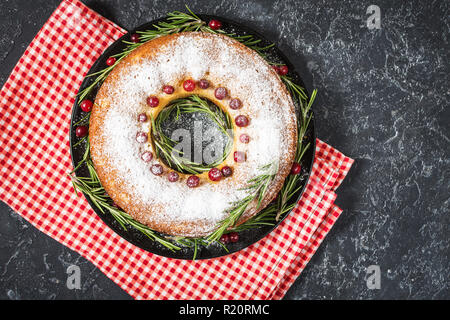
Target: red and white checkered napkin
{"points": [[35, 106]]}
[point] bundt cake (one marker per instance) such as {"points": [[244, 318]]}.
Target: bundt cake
{"points": [[211, 66]]}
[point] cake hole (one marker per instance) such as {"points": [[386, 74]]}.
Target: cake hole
{"points": [[198, 136]]}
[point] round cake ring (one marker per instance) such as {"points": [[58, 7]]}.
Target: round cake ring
{"points": [[174, 208]]}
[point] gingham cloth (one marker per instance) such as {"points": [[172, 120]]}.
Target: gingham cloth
{"points": [[35, 106]]}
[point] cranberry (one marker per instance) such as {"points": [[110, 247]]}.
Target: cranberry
{"points": [[215, 174], [189, 85], [244, 138], [153, 101], [141, 137], [168, 89], [296, 168], [142, 117], [234, 237], [239, 156], [215, 24], [81, 131], [157, 169], [225, 238], [241, 121], [220, 93], [283, 70], [147, 156], [86, 105], [203, 83], [227, 171], [110, 61], [134, 38], [173, 176], [235, 104], [193, 181], [276, 68]]}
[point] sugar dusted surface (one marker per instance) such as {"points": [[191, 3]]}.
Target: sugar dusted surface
{"points": [[152, 199]]}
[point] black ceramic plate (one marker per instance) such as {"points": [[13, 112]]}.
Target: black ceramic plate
{"points": [[246, 238]]}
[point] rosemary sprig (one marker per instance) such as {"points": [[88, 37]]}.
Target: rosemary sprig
{"points": [[165, 147], [92, 188], [176, 22], [181, 22], [256, 188], [291, 185]]}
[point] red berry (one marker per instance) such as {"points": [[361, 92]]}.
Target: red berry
{"points": [[244, 138], [81, 131], [215, 174], [189, 85], [241, 121], [153, 101], [173, 176], [227, 171], [296, 168], [215, 24], [141, 137], [168, 89], [235, 104], [193, 181], [220, 93], [283, 70], [142, 117], [203, 83], [110, 61], [147, 156], [239, 156], [86, 105], [234, 237], [157, 169], [134, 38], [276, 68], [225, 238]]}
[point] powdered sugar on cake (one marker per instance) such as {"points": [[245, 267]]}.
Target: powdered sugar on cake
{"points": [[188, 56]]}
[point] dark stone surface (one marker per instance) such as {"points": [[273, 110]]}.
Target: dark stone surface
{"points": [[383, 100]]}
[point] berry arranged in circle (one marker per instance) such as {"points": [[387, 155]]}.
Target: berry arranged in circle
{"points": [[142, 117], [234, 237], [153, 101], [157, 169], [244, 138], [110, 61], [189, 85], [141, 137], [241, 121], [86, 105], [203, 83], [168, 89], [215, 174], [227, 171], [235, 104], [215, 24], [239, 156], [283, 70], [220, 93], [147, 156], [81, 131], [296, 168], [173, 176], [134, 38], [193, 181], [225, 238]]}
